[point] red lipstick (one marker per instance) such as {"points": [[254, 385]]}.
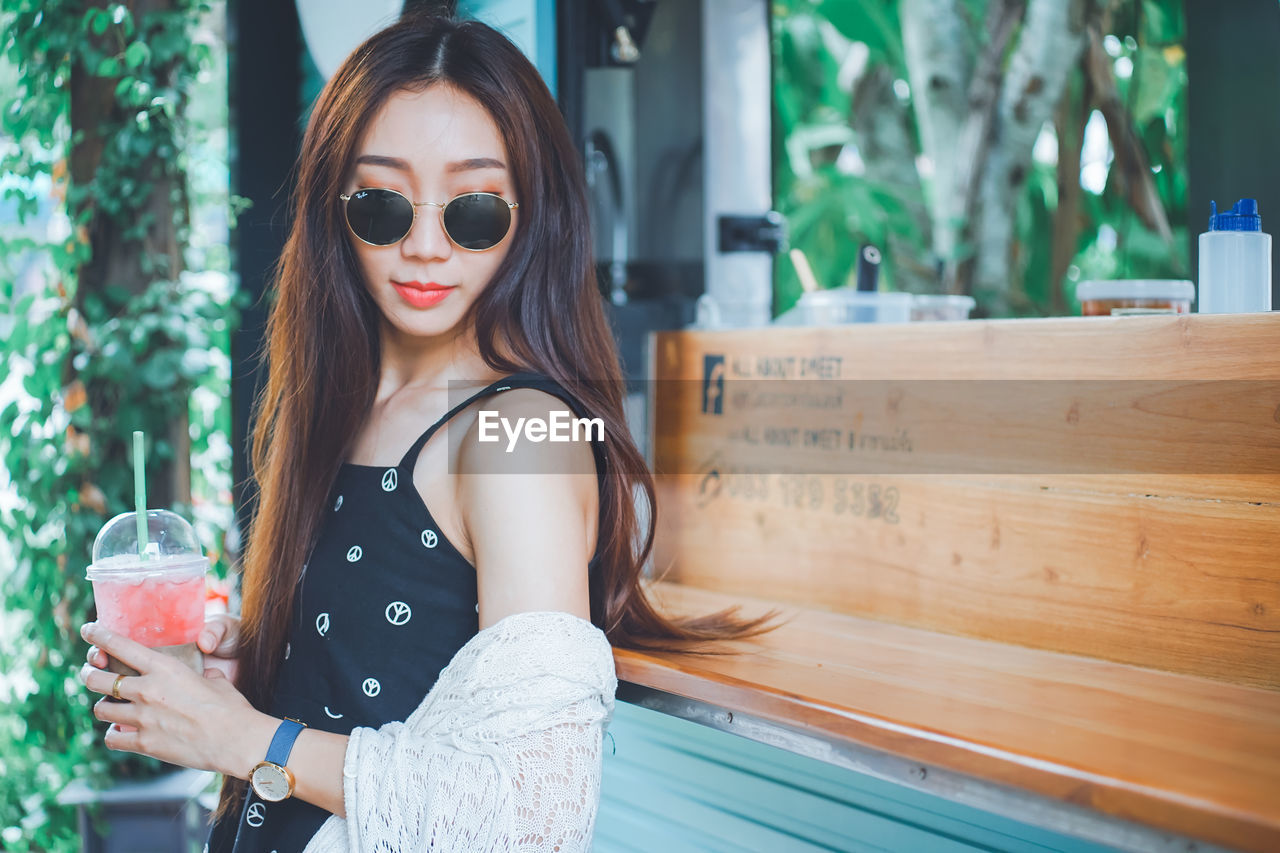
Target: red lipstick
{"points": [[420, 294]]}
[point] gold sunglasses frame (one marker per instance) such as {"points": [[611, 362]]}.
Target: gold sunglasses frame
{"points": [[511, 205]]}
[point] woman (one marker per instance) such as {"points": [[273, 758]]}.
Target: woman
{"points": [[433, 612]]}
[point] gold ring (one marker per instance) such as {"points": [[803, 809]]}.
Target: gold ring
{"points": [[115, 688]]}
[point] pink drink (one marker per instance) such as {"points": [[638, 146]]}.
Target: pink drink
{"points": [[157, 601], [155, 611], [156, 597]]}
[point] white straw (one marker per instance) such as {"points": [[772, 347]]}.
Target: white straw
{"points": [[807, 281]]}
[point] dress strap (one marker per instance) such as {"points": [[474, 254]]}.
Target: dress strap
{"points": [[516, 380]]}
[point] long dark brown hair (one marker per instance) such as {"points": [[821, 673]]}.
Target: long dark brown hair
{"points": [[542, 308]]}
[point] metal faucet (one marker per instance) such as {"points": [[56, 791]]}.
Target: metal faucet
{"points": [[602, 167]]}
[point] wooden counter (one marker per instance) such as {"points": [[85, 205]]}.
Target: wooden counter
{"points": [[1185, 755], [1097, 652]]}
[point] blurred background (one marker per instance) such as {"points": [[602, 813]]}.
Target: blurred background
{"points": [[1004, 150]]}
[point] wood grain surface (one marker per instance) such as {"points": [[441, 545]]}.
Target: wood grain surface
{"points": [[1187, 346], [1188, 755], [1172, 562], [1069, 589]]}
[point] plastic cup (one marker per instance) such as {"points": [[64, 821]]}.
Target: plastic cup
{"points": [[841, 305], [155, 598], [1134, 296], [940, 307]]}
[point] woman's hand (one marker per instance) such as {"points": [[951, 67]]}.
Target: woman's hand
{"points": [[220, 642], [172, 713]]}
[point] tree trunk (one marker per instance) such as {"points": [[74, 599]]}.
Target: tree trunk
{"points": [[1131, 170], [1049, 47], [1073, 113], [939, 47], [94, 108], [888, 150], [972, 147], [130, 264]]}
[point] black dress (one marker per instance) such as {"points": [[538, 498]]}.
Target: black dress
{"points": [[384, 603]]}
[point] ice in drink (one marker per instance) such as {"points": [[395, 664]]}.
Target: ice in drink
{"points": [[157, 597]]}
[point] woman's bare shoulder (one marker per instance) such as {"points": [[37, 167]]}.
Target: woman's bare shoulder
{"points": [[528, 431], [530, 505]]}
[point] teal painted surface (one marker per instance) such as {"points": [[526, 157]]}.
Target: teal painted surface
{"points": [[312, 83], [674, 786], [531, 24]]}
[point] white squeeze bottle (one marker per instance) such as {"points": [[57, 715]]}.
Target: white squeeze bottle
{"points": [[1235, 262]]}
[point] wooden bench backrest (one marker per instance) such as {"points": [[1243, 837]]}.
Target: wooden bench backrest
{"points": [[975, 512]]}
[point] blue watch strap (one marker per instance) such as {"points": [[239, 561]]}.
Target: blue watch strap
{"points": [[282, 741]]}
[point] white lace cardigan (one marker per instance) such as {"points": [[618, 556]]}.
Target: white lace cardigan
{"points": [[503, 754]]}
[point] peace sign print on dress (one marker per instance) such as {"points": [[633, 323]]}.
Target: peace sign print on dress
{"points": [[398, 613], [429, 538], [389, 480]]}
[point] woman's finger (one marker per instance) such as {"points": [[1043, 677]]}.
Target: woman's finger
{"points": [[101, 681], [211, 636], [120, 713], [122, 739], [226, 667], [218, 636], [123, 649], [96, 657]]}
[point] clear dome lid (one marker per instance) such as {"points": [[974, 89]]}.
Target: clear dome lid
{"points": [[171, 543]]}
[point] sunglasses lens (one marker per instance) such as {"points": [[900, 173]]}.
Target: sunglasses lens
{"points": [[477, 221], [381, 217]]}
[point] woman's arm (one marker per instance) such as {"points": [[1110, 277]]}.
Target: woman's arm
{"points": [[505, 753], [533, 532], [174, 714], [316, 763], [530, 514]]}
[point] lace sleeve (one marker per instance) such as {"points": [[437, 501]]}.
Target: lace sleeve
{"points": [[504, 754]]}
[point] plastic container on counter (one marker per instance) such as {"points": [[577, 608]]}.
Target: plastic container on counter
{"points": [[931, 307], [841, 305], [1235, 261], [1135, 296], [712, 313]]}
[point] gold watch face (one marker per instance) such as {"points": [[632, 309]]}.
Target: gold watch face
{"points": [[271, 782]]}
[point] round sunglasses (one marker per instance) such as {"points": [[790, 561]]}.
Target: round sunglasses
{"points": [[473, 221]]}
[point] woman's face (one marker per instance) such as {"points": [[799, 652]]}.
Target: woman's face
{"points": [[430, 146]]}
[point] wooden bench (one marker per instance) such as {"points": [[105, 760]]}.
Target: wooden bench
{"points": [[1007, 624]]}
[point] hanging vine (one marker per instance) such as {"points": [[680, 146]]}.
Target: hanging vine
{"points": [[111, 334]]}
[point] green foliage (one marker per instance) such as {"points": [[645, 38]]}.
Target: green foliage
{"points": [[830, 211], [87, 368], [1114, 242], [833, 206], [872, 22]]}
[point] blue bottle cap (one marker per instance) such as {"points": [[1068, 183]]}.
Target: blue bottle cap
{"points": [[1243, 217]]}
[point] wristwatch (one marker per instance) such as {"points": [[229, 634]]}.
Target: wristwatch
{"points": [[271, 780]]}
